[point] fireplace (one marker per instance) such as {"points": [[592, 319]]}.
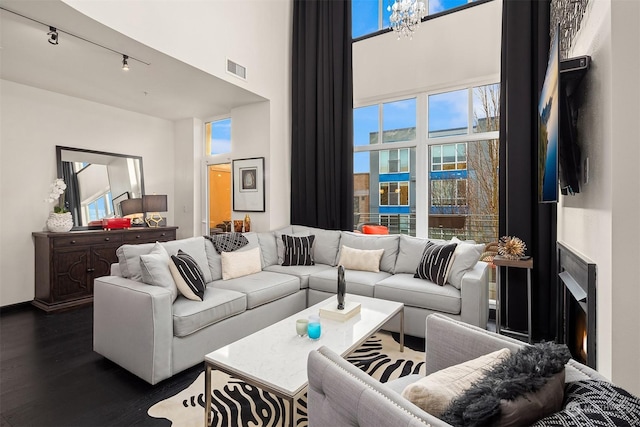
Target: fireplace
{"points": [[577, 305]]}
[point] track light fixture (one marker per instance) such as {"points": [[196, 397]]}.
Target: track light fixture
{"points": [[53, 35]]}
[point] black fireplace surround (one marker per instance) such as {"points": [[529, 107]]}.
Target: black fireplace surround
{"points": [[577, 304]]}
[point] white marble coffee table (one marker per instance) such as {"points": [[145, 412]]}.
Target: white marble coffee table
{"points": [[275, 358]]}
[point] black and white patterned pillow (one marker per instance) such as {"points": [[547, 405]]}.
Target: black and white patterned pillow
{"points": [[188, 276], [297, 250], [595, 403], [436, 262], [228, 242]]}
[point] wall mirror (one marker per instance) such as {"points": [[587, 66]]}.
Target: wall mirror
{"points": [[97, 182]]}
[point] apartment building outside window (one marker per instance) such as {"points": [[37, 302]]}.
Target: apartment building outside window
{"points": [[460, 180], [385, 165], [463, 172]]}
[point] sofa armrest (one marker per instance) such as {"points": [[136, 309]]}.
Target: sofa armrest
{"points": [[450, 342], [474, 292], [341, 394], [133, 326]]}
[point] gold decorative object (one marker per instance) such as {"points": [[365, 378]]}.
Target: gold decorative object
{"points": [[511, 247]]}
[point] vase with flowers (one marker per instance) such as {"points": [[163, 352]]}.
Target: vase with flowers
{"points": [[60, 220]]}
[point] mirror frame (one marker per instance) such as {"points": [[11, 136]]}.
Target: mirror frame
{"points": [[60, 149]]}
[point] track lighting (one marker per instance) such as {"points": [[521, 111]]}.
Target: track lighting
{"points": [[53, 35]]}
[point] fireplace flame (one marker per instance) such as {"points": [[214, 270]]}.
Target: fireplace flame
{"points": [[584, 343]]}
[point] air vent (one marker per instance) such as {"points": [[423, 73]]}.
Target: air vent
{"points": [[236, 69]]}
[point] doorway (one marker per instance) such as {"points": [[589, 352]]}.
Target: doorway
{"points": [[219, 177]]}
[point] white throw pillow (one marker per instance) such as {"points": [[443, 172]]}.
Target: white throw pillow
{"points": [[465, 258], [435, 392], [240, 263], [360, 259], [155, 270]]}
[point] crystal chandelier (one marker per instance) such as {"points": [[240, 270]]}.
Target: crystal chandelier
{"points": [[406, 16]]}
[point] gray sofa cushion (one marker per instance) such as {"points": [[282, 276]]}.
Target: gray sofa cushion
{"points": [[261, 288], [195, 247], [360, 241], [218, 304], [129, 260], [279, 245], [325, 246], [358, 282], [409, 254], [155, 270], [465, 257], [213, 260], [420, 293], [301, 271], [268, 249]]}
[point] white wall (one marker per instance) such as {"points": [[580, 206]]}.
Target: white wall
{"points": [[33, 122], [455, 50], [188, 150], [601, 221], [253, 33]]}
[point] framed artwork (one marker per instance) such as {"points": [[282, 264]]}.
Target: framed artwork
{"points": [[116, 203], [248, 185]]}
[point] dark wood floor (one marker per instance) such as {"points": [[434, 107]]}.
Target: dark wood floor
{"points": [[50, 376]]}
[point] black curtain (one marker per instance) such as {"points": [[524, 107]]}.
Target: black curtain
{"points": [[72, 193], [525, 50], [322, 116]]}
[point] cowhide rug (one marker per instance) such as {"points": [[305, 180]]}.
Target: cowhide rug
{"points": [[236, 403]]}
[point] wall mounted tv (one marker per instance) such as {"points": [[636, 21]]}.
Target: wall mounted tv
{"points": [[549, 128], [559, 157]]}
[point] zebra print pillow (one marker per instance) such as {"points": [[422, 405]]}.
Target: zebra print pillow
{"points": [[188, 276], [592, 402], [297, 250], [436, 262]]}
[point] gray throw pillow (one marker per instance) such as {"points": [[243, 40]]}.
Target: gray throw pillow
{"points": [[155, 270]]}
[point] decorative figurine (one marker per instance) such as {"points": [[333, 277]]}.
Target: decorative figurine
{"points": [[342, 287], [247, 223]]}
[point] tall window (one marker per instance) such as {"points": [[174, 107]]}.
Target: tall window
{"points": [[218, 137], [463, 172], [385, 165]]}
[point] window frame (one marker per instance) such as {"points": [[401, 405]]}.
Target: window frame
{"points": [[428, 17]]}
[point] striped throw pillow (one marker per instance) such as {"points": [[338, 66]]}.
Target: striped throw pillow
{"points": [[297, 250], [436, 262], [188, 276]]}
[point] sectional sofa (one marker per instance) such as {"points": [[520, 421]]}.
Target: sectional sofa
{"points": [[142, 322]]}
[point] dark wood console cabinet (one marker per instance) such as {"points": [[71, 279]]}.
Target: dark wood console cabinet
{"points": [[67, 263]]}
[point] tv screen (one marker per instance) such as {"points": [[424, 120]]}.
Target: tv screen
{"points": [[548, 128]]}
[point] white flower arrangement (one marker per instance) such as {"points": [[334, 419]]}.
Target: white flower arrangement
{"points": [[56, 192]]}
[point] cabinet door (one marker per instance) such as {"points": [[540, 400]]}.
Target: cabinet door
{"points": [[70, 274], [101, 259]]}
